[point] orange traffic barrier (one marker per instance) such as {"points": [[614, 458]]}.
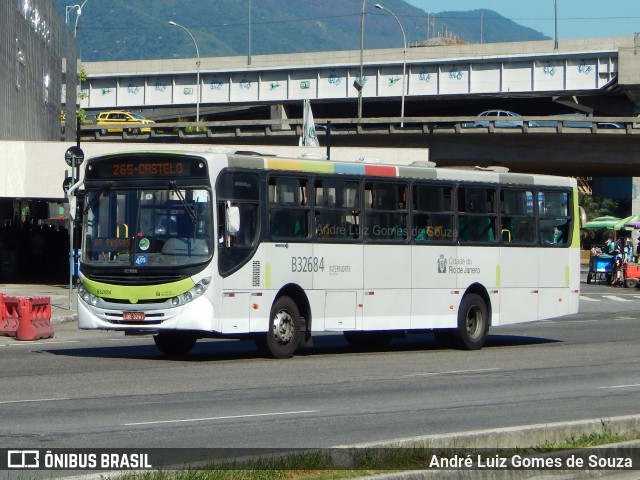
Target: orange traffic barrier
{"points": [[34, 315], [8, 318]]}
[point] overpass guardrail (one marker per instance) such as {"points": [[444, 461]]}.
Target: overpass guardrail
{"points": [[274, 128]]}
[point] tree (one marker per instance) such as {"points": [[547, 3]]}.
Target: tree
{"points": [[598, 207]]}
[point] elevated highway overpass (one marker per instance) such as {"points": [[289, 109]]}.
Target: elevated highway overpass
{"points": [[598, 76]]}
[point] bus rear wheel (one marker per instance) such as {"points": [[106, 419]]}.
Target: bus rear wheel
{"points": [[473, 322], [284, 329], [174, 343]]}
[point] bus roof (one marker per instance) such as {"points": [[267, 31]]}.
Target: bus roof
{"points": [[362, 167]]}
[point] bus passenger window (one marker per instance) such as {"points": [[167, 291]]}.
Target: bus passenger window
{"points": [[432, 213], [477, 215], [386, 211], [288, 223], [517, 216], [337, 209], [554, 223]]}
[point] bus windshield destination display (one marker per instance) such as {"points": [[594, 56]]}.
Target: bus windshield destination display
{"points": [[150, 166]]}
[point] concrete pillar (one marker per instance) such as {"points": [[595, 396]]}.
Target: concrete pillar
{"points": [[279, 115]]}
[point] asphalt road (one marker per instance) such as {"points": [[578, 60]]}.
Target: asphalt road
{"points": [[101, 389]]}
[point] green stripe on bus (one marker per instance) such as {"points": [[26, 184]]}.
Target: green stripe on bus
{"points": [[267, 276], [300, 165], [135, 293]]}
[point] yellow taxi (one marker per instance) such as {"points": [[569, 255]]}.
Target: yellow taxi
{"points": [[116, 120]]}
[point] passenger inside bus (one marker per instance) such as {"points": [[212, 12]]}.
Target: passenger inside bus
{"points": [[285, 223], [560, 233], [185, 243]]}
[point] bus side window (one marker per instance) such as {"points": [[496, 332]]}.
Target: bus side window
{"points": [[432, 213], [288, 207], [336, 207], [554, 223], [517, 217], [477, 214]]}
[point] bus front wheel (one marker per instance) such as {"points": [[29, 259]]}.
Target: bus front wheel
{"points": [[473, 322], [174, 343], [284, 329]]}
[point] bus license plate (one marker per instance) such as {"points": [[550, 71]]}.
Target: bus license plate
{"points": [[133, 316]]}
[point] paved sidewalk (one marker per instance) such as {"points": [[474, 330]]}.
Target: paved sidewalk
{"points": [[62, 310]]}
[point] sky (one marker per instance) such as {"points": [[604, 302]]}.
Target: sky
{"points": [[576, 18]]}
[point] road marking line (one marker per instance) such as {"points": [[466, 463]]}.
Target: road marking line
{"points": [[426, 374], [616, 298], [219, 418], [31, 343], [572, 321], [623, 386], [588, 299], [34, 400]]}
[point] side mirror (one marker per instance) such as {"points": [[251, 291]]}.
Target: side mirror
{"points": [[583, 217], [233, 218]]}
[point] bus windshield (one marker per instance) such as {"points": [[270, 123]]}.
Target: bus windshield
{"points": [[147, 227]]}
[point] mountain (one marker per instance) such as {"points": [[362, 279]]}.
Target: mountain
{"points": [[139, 29]]}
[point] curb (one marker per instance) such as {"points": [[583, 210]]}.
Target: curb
{"points": [[517, 437], [64, 319], [525, 436]]}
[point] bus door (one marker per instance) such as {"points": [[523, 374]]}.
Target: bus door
{"points": [[518, 256], [337, 251]]}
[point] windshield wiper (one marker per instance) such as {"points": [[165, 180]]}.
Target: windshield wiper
{"points": [[192, 212], [105, 188]]}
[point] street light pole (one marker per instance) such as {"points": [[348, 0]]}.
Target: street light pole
{"points": [[197, 67], [555, 16], [78, 13], [249, 37], [75, 27], [360, 85], [404, 59]]}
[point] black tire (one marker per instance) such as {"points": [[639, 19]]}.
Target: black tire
{"points": [[283, 336], [368, 339], [175, 343], [631, 282], [473, 322]]}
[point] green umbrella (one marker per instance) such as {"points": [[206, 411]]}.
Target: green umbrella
{"points": [[602, 223], [622, 224]]}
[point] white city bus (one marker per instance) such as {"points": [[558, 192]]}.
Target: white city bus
{"points": [[186, 246]]}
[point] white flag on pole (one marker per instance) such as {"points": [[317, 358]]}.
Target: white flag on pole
{"points": [[308, 137]]}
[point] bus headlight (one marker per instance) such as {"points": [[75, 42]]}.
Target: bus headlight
{"points": [[196, 291], [87, 297]]}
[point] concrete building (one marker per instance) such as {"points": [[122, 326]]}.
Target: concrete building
{"points": [[36, 52]]}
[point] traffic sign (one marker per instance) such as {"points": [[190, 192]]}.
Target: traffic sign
{"points": [[67, 183], [74, 156]]}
